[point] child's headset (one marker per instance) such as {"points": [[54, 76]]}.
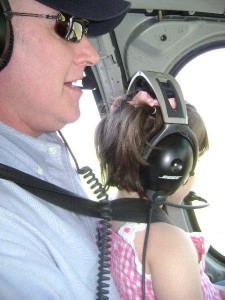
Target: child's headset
{"points": [[6, 33], [173, 152]]}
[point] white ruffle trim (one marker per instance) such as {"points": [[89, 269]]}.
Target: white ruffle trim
{"points": [[127, 232]]}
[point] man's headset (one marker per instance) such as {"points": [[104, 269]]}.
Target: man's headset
{"points": [[173, 152], [6, 33]]}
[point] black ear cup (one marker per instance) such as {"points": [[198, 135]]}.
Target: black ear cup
{"points": [[173, 152], [170, 164], [6, 37]]}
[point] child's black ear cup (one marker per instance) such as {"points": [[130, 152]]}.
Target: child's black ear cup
{"points": [[173, 152], [169, 164]]}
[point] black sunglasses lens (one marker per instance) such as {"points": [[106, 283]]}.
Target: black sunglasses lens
{"points": [[61, 29], [69, 28]]}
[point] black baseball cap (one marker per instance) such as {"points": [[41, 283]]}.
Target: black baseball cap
{"points": [[104, 15]]}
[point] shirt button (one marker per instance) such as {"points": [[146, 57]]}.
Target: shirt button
{"points": [[51, 150], [40, 170]]}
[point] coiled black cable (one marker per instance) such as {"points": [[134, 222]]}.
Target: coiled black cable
{"points": [[104, 231], [104, 244], [97, 188], [87, 173]]}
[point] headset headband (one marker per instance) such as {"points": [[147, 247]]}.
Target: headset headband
{"points": [[163, 86]]}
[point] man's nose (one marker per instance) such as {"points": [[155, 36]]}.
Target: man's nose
{"points": [[87, 53]]}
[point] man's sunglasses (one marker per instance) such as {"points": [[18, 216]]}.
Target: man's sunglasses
{"points": [[68, 27]]}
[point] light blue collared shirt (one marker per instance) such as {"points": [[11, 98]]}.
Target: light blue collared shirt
{"points": [[46, 252]]}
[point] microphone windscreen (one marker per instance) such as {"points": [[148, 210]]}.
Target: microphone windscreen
{"points": [[89, 83]]}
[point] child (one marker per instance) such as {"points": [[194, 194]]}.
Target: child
{"points": [[174, 262]]}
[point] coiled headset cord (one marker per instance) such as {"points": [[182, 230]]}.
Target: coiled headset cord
{"points": [[104, 231], [87, 173]]}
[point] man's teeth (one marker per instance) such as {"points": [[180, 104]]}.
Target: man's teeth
{"points": [[77, 83]]}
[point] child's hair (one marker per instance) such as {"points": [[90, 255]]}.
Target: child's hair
{"points": [[120, 139], [197, 125], [122, 136]]}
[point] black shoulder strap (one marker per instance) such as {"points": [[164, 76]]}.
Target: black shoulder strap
{"points": [[126, 209]]}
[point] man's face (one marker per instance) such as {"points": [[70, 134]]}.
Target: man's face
{"points": [[37, 95]]}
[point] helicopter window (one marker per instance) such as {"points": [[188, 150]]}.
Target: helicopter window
{"points": [[202, 83]]}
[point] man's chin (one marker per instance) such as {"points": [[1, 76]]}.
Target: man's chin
{"points": [[72, 119]]}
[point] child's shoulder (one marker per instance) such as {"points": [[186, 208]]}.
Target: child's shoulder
{"points": [[167, 235], [169, 240]]}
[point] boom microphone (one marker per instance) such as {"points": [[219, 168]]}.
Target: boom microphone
{"points": [[88, 83]]}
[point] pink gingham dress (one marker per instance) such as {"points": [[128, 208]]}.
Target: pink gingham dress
{"points": [[127, 269]]}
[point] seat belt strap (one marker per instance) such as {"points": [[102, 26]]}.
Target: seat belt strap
{"points": [[124, 209]]}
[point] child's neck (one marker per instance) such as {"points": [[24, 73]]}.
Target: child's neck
{"points": [[126, 194], [122, 194]]}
